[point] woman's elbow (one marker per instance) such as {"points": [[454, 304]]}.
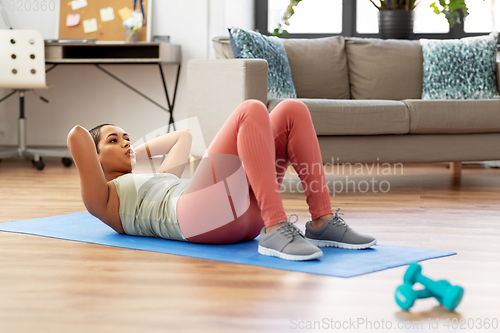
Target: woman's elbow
{"points": [[74, 134], [74, 131]]}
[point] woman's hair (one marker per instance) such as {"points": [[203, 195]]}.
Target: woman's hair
{"points": [[96, 135]]}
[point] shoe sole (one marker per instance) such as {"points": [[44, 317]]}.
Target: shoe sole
{"points": [[274, 253], [324, 243]]}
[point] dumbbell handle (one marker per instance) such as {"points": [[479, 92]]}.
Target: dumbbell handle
{"points": [[425, 293], [431, 286]]}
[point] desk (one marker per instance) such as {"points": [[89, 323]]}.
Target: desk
{"points": [[119, 53]]}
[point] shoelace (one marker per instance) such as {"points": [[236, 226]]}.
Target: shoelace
{"points": [[336, 219], [289, 229]]}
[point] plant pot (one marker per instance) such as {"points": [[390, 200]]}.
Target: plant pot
{"points": [[395, 24]]}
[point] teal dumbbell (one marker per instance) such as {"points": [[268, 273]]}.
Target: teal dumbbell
{"points": [[450, 296], [406, 295]]}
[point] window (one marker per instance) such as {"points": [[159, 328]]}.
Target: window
{"points": [[312, 16], [366, 17], [358, 18], [483, 16], [426, 21]]}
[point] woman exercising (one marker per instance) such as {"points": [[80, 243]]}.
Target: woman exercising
{"points": [[233, 196]]}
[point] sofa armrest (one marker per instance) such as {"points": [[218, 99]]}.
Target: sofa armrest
{"points": [[216, 87]]}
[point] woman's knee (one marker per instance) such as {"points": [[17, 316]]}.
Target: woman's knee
{"points": [[253, 104], [294, 107], [254, 108]]}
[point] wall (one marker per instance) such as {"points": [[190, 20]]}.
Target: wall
{"points": [[85, 95]]}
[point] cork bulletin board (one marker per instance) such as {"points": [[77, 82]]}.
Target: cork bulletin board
{"points": [[112, 30]]}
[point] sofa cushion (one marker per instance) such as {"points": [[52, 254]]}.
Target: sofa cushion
{"points": [[350, 117], [319, 67], [460, 68], [222, 48], [454, 116], [252, 45], [411, 148], [384, 69]]}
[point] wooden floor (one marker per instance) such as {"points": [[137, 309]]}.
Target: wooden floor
{"points": [[51, 285]]}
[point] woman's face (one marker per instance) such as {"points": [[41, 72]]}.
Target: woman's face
{"points": [[116, 152]]}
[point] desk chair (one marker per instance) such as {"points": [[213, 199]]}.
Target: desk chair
{"points": [[22, 67]]}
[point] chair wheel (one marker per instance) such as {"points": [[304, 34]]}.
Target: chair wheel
{"points": [[67, 161], [38, 164]]}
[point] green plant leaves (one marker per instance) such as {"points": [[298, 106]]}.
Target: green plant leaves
{"points": [[279, 32], [451, 10], [436, 9]]}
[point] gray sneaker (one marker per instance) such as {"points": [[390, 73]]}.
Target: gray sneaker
{"points": [[335, 232], [287, 242]]}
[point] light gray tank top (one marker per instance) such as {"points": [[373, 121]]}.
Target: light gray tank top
{"points": [[148, 204]]}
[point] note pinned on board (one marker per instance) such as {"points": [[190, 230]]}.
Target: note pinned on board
{"points": [[136, 19], [89, 25], [107, 14], [77, 4], [72, 20], [124, 13]]}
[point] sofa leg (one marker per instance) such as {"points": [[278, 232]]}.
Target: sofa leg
{"points": [[456, 169]]}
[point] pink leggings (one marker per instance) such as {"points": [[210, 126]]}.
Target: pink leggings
{"points": [[221, 205]]}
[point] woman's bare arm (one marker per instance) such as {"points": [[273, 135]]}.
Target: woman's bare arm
{"points": [[177, 146], [93, 184]]}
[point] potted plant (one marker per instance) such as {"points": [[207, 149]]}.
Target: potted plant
{"points": [[279, 31], [395, 18], [452, 10]]}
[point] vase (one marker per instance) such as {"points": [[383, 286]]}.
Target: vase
{"points": [[395, 24]]}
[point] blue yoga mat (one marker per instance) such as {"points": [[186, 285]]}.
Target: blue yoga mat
{"points": [[83, 227]]}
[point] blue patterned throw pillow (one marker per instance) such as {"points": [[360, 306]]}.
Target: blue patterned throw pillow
{"points": [[251, 45], [460, 69]]}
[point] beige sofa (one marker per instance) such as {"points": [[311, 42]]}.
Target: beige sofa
{"points": [[364, 99]]}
